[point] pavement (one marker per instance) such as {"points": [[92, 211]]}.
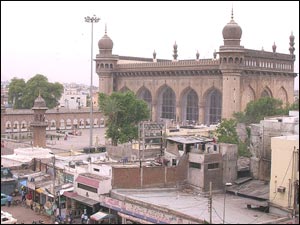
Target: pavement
{"points": [[61, 145], [25, 215]]}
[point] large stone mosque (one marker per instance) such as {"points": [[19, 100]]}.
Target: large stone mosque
{"points": [[200, 90]]}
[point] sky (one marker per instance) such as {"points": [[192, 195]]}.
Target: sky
{"points": [[53, 39]]}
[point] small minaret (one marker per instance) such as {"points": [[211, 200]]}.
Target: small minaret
{"points": [[197, 55], [39, 125], [215, 54], [292, 43], [175, 55], [274, 47], [154, 56]]}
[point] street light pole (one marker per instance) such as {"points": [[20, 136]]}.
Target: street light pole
{"points": [[226, 185], [91, 20]]}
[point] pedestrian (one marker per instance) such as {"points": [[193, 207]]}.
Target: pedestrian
{"points": [[23, 195], [82, 217], [9, 200]]}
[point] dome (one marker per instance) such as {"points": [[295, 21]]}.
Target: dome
{"points": [[105, 43], [232, 31], [39, 102]]}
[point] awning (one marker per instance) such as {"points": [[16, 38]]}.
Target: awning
{"points": [[134, 218], [39, 190], [86, 201], [87, 181], [100, 216]]}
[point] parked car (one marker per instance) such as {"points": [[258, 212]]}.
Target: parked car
{"points": [[7, 218], [3, 199]]}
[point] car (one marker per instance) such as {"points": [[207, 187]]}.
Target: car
{"points": [[3, 199], [7, 218]]}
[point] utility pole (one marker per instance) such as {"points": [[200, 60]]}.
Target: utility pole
{"points": [[210, 202]]}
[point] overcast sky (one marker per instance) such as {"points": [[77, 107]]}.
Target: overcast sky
{"points": [[52, 38]]}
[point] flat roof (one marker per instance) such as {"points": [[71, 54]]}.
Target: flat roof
{"points": [[189, 139], [196, 205]]}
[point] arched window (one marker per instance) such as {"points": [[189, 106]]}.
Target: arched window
{"points": [[168, 104], [213, 107], [145, 94], [192, 110]]}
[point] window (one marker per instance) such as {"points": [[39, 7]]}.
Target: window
{"points": [[97, 170], [213, 166], [192, 106], [88, 188], [168, 104], [195, 165]]}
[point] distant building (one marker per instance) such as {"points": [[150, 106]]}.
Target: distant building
{"points": [[73, 99], [261, 135], [200, 90], [284, 183]]}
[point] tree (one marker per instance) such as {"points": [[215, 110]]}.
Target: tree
{"points": [[16, 91], [123, 111], [226, 133], [256, 110], [29, 91]]}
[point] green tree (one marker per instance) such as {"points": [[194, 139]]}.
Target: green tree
{"points": [[226, 133], [123, 111], [256, 110], [51, 92], [16, 91]]}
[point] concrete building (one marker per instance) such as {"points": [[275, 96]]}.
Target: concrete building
{"points": [[200, 90], [284, 183], [73, 99], [261, 135]]}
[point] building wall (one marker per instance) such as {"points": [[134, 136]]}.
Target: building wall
{"points": [[284, 170], [261, 142], [57, 116], [213, 175], [230, 155], [160, 176]]}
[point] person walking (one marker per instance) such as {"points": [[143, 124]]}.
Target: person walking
{"points": [[23, 195], [9, 200]]}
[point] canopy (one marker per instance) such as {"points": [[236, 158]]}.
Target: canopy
{"points": [[100, 216]]}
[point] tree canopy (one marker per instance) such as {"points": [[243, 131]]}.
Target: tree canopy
{"points": [[226, 133], [123, 111], [22, 94], [256, 110]]}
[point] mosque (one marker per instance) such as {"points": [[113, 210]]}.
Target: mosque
{"points": [[200, 91]]}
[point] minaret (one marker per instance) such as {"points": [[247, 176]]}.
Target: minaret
{"points": [[39, 125], [292, 43], [231, 56], [175, 55], [197, 55], [154, 56], [105, 64], [274, 47]]}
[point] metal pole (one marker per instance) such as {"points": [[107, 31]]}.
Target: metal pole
{"points": [[91, 20], [224, 206], [91, 93], [54, 192], [210, 202]]}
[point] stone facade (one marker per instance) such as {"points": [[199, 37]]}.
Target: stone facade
{"points": [[200, 90], [20, 120]]}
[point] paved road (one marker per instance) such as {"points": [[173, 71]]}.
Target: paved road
{"points": [[24, 214], [61, 145]]}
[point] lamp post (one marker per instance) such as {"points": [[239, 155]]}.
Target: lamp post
{"points": [[91, 20], [226, 185], [53, 181]]}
